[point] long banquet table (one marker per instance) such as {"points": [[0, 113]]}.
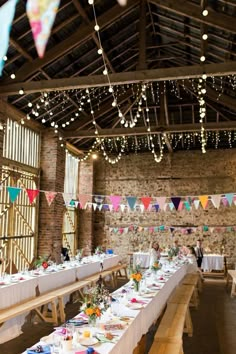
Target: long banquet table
{"points": [[31, 284], [141, 319]]}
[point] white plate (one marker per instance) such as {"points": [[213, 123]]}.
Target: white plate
{"points": [[148, 295], [88, 341], [135, 306]]}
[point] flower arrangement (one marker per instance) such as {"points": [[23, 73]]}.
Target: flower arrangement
{"points": [[156, 266], [42, 261], [98, 250], [96, 301], [79, 253], [136, 276]]}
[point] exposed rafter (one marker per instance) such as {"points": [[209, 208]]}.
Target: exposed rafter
{"points": [[174, 73], [177, 128], [184, 8]]}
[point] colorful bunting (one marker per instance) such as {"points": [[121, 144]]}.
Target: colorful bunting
{"points": [[32, 194], [99, 199], [83, 199], [131, 202], [229, 197], [196, 203], [7, 12], [67, 198], [115, 199], [50, 196], [176, 201], [215, 199], [161, 201], [146, 201], [41, 14], [203, 200], [13, 193], [187, 205]]}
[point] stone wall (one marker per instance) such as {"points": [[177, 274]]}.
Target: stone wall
{"points": [[179, 174]]}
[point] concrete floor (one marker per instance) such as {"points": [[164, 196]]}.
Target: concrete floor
{"points": [[214, 325]]}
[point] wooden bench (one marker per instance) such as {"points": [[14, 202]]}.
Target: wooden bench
{"points": [[166, 347], [182, 295], [172, 323], [38, 304], [231, 274], [192, 279]]}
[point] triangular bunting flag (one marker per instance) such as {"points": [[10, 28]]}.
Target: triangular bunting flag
{"points": [[94, 206], [180, 207], [76, 203], [50, 196], [122, 207], [156, 228], [115, 199], [156, 206], [229, 197], [215, 199], [203, 200], [176, 201], [146, 201], [32, 194], [83, 199], [126, 229], [211, 229], [141, 206], [41, 14], [187, 205], [100, 207], [131, 202], [110, 206], [161, 201], [196, 203], [13, 193], [7, 12], [162, 228], [67, 198], [122, 2], [225, 201], [171, 205], [99, 199]]}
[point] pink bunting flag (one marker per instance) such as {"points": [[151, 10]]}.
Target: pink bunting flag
{"points": [[32, 194], [115, 199], [215, 199], [161, 201], [50, 196], [122, 2], [146, 201], [41, 14], [83, 199]]}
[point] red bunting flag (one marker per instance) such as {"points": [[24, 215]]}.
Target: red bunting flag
{"points": [[146, 201], [32, 194], [50, 196]]}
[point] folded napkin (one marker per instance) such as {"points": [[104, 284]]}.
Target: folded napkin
{"points": [[135, 301], [45, 349]]}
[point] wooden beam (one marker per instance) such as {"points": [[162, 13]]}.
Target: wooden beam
{"points": [[83, 33], [163, 74], [184, 8], [142, 64], [173, 128]]}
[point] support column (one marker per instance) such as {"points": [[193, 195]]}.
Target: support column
{"points": [[85, 222], [52, 179]]}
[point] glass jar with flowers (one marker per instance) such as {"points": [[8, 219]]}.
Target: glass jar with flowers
{"points": [[42, 261], [96, 301], [155, 267], [136, 276]]}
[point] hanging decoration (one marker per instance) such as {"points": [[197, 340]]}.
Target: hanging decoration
{"points": [[50, 196], [13, 193], [7, 12], [32, 194], [41, 14]]}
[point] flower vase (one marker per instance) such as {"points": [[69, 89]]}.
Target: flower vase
{"points": [[92, 320], [136, 286]]}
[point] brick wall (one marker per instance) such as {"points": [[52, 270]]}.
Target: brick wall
{"points": [[85, 217], [52, 179], [179, 174]]}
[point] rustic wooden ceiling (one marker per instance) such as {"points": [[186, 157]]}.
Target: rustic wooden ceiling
{"points": [[161, 49]]}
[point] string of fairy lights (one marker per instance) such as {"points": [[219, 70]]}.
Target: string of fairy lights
{"points": [[48, 106]]}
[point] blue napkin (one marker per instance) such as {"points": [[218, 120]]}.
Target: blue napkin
{"points": [[46, 350]]}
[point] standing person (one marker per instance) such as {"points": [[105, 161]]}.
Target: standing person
{"points": [[199, 253], [176, 248], [155, 253]]}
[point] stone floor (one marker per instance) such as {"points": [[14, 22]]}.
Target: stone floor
{"points": [[214, 325]]}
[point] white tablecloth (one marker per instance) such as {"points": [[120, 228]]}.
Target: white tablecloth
{"points": [[213, 262], [28, 288], [143, 318], [141, 258]]}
